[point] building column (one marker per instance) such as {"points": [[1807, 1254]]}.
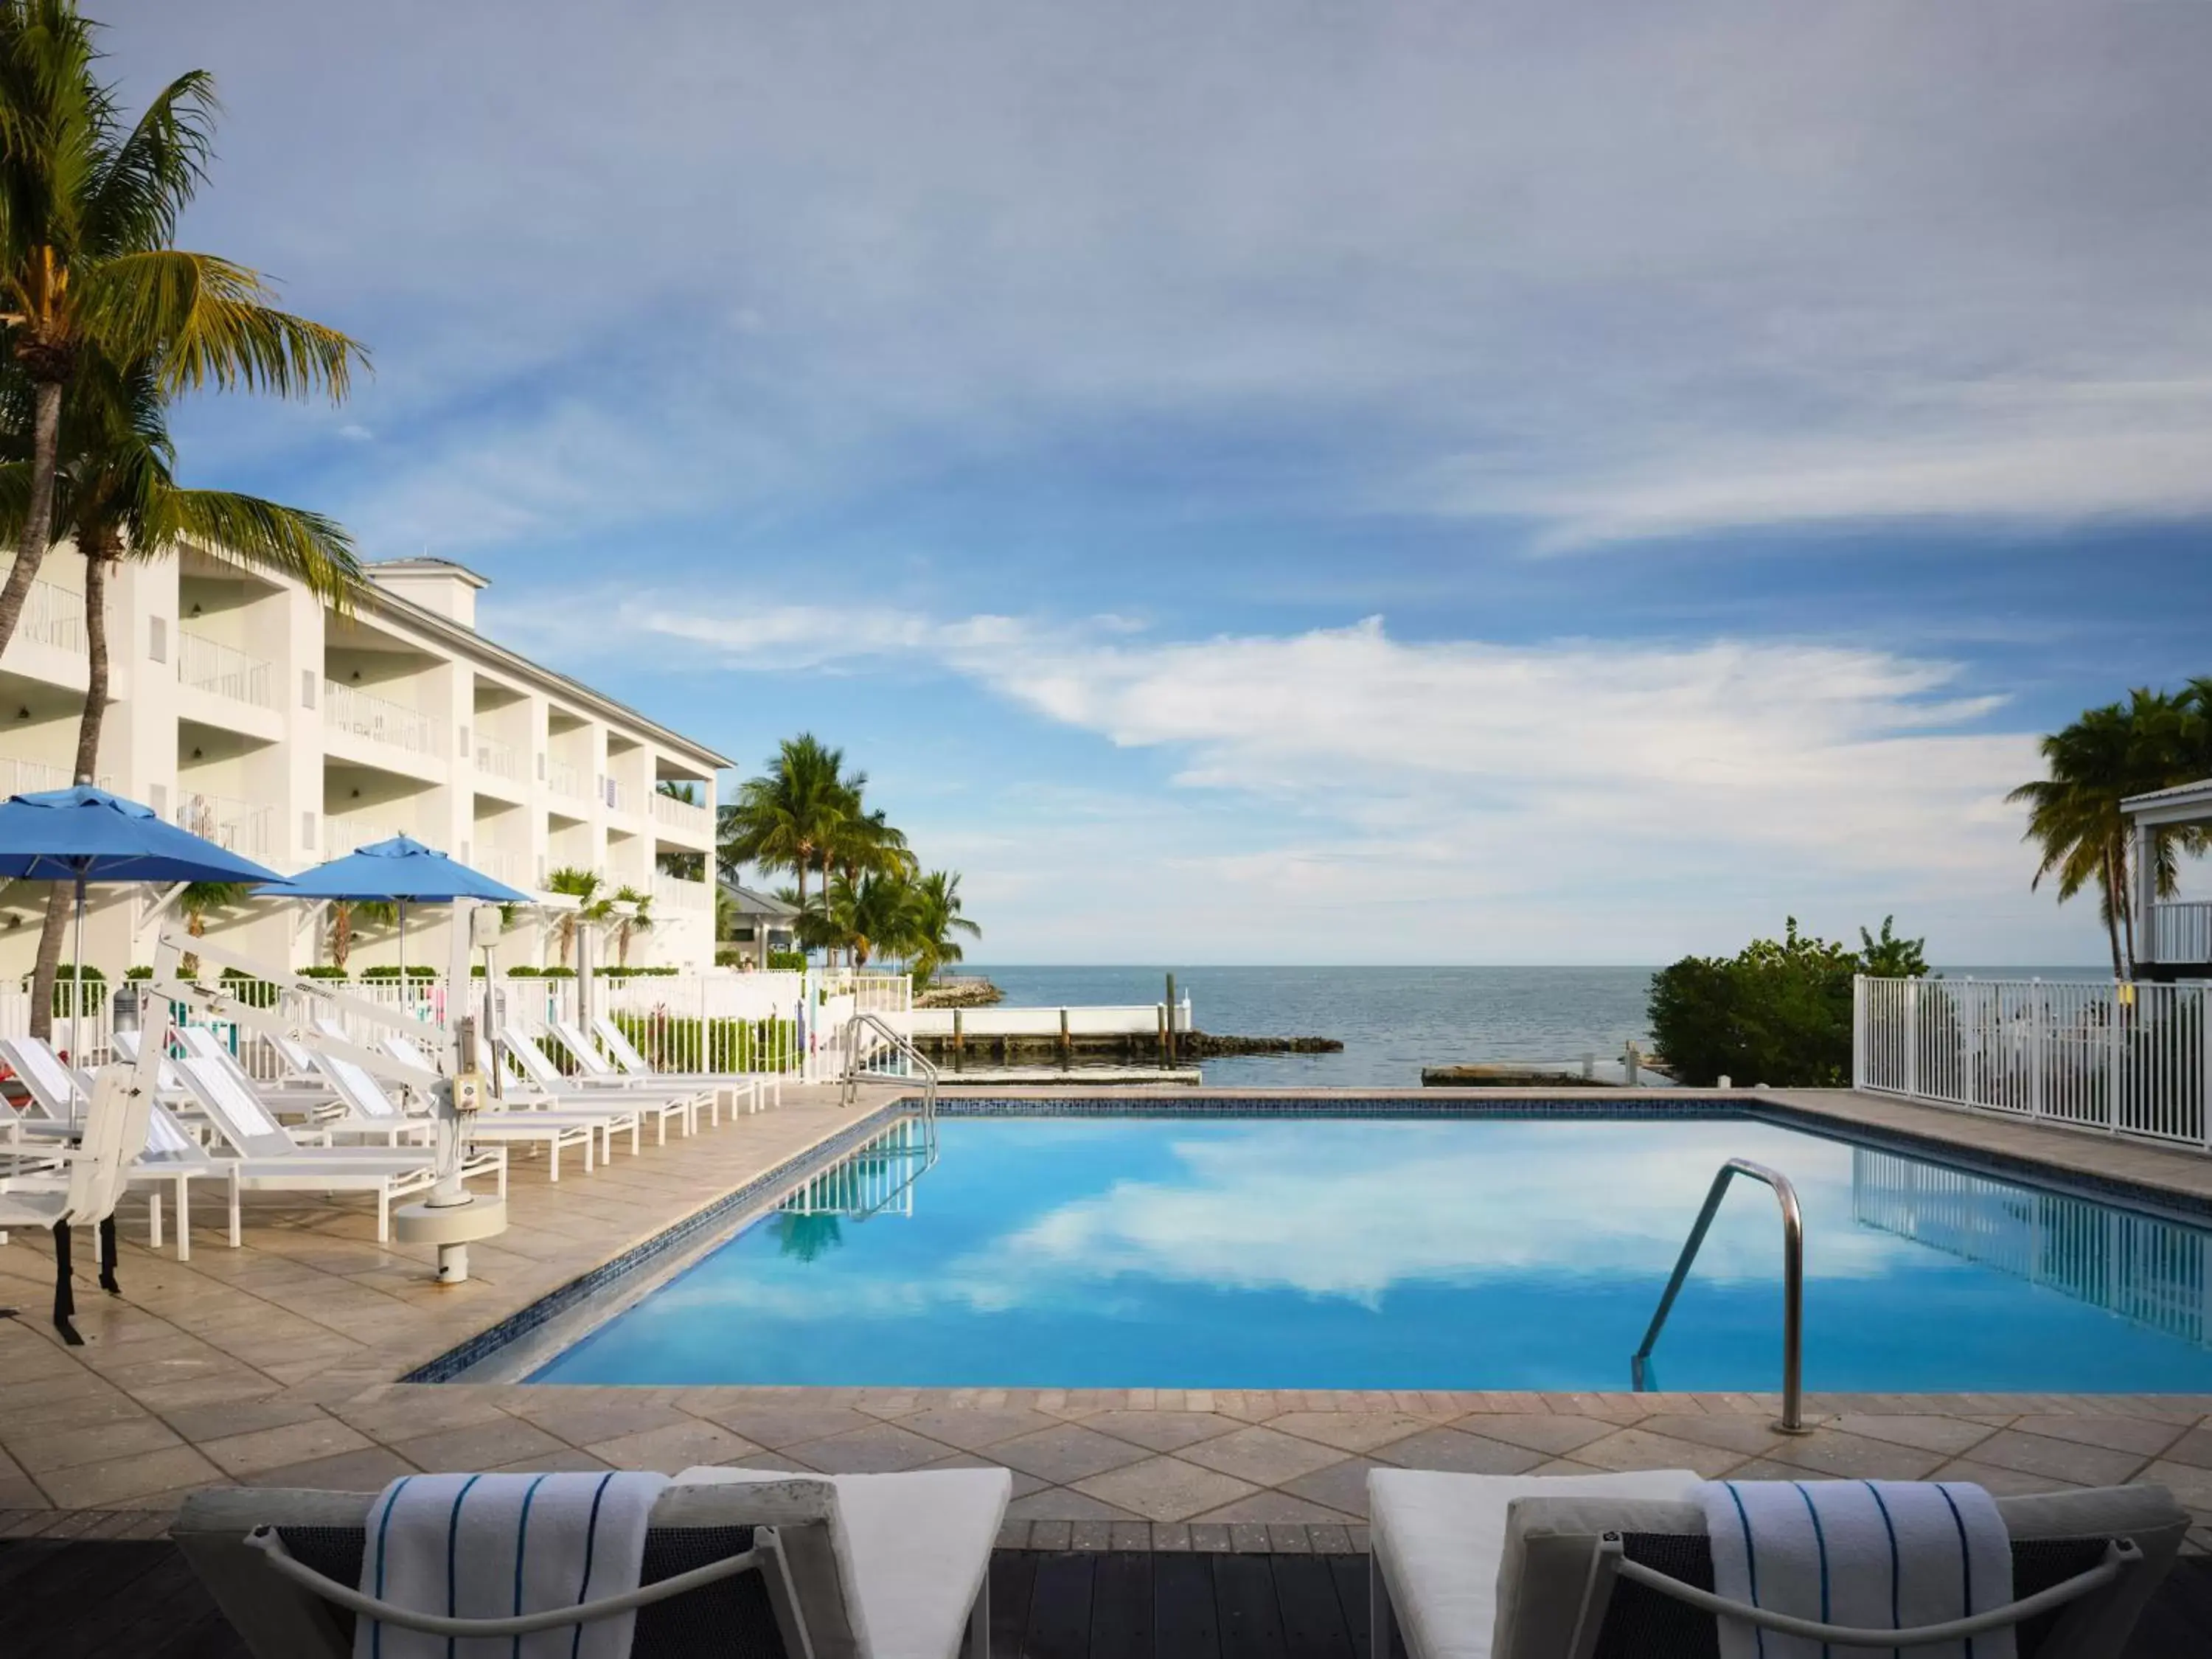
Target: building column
{"points": [[2145, 853]]}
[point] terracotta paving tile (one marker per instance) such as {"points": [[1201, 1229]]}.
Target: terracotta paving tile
{"points": [[406, 1412], [672, 1447], [1161, 1431], [1066, 1454], [1263, 1455], [1064, 1504], [1023, 1484], [201, 1424], [369, 1470], [1349, 1431], [583, 1417], [1951, 1436], [781, 1425], [2143, 1436], [39, 1454], [1852, 1457], [1341, 1487], [1463, 1454], [240, 1454], [1543, 1431], [973, 1428], [479, 1446], [1725, 1432], [879, 1448], [1164, 1488], [2066, 1459], [1634, 1449], [84, 1484]]}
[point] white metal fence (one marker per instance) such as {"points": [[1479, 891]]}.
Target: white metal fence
{"points": [[53, 615], [2120, 1058], [209, 665], [379, 720], [2181, 931], [785, 1024]]}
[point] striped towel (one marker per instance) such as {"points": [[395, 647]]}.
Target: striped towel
{"points": [[493, 1546], [1875, 1554]]}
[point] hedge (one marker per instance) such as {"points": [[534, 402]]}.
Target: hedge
{"points": [[731, 1045], [95, 988]]}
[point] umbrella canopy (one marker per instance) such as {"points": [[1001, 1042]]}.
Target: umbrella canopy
{"points": [[401, 868], [85, 835]]}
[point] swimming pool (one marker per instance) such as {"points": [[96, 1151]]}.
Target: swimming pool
{"points": [[1458, 1253]]}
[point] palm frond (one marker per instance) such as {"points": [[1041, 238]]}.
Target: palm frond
{"points": [[153, 173], [209, 322], [310, 547]]}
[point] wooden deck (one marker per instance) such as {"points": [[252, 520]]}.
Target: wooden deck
{"points": [[139, 1599]]}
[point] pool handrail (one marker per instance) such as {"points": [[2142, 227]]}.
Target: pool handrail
{"points": [[1792, 1419], [901, 1044]]}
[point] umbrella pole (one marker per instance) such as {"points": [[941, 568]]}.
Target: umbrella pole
{"points": [[76, 1003]]}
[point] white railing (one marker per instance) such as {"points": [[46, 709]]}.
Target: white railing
{"points": [[2120, 1060], [674, 893], [2181, 932], [682, 814], [563, 779], [242, 826], [503, 866], [52, 615], [342, 835], [24, 777], [500, 759], [208, 665], [1134, 1020], [378, 718]]}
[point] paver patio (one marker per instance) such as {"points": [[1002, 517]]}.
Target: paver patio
{"points": [[274, 1364]]}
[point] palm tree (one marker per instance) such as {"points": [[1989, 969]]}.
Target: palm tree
{"points": [[116, 496], [639, 921], [88, 207], [937, 919], [196, 901], [582, 886], [344, 912], [2152, 741], [783, 819]]}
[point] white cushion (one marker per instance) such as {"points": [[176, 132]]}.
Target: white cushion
{"points": [[920, 1546], [1438, 1540]]}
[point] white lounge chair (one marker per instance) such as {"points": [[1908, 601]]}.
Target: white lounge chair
{"points": [[605, 1118], [83, 1194], [360, 1089], [326, 1113], [747, 1092], [594, 1069], [171, 1158], [544, 1081], [865, 1566], [270, 1160], [1470, 1566]]}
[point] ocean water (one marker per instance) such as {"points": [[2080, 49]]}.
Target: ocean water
{"points": [[1392, 1021], [1399, 1252]]}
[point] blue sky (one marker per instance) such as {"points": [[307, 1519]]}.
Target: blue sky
{"points": [[1284, 482]]}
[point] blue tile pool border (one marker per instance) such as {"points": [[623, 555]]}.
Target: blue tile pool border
{"points": [[451, 1365]]}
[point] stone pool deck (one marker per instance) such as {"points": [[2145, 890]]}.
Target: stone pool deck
{"points": [[274, 1364]]}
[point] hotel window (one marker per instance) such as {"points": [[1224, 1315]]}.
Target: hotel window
{"points": [[307, 831], [157, 797], [307, 688], [158, 644]]}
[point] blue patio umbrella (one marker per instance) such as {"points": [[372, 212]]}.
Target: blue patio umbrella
{"points": [[85, 835], [403, 871]]}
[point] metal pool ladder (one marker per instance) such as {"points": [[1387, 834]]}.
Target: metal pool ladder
{"points": [[900, 1044], [1793, 1285]]}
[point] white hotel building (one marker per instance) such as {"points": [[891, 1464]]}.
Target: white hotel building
{"points": [[244, 708]]}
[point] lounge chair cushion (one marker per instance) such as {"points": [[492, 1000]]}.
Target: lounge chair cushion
{"points": [[1550, 1540], [1439, 1540], [920, 1550]]}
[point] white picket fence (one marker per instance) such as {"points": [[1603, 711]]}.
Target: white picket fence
{"points": [[784, 1024], [2116, 1059]]}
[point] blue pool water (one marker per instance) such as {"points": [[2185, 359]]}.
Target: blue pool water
{"points": [[1379, 1253]]}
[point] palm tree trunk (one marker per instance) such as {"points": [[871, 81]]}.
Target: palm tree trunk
{"points": [[2120, 902], [61, 902], [38, 516], [341, 933], [2111, 916]]}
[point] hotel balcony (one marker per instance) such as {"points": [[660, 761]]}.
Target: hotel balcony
{"points": [[223, 670], [693, 823], [390, 726], [245, 827], [344, 834], [563, 779], [673, 893], [498, 760]]}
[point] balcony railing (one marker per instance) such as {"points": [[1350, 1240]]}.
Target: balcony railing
{"points": [[378, 718], [246, 827], [502, 865], [682, 814], [208, 665], [563, 779], [2181, 932], [674, 893], [342, 835], [53, 615], [26, 777], [500, 759]]}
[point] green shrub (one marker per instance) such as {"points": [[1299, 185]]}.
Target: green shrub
{"points": [[788, 961], [731, 1045], [556, 973], [1777, 1012], [388, 973], [144, 971], [324, 970], [95, 988], [522, 971], [253, 993]]}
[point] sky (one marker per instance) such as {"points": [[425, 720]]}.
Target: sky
{"points": [[1307, 482]]}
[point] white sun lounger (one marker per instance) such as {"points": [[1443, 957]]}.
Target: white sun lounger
{"points": [[83, 1194], [857, 1566], [594, 1068], [270, 1160], [606, 1118], [542, 1078], [330, 1114], [1474, 1566], [358, 1088], [745, 1092]]}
